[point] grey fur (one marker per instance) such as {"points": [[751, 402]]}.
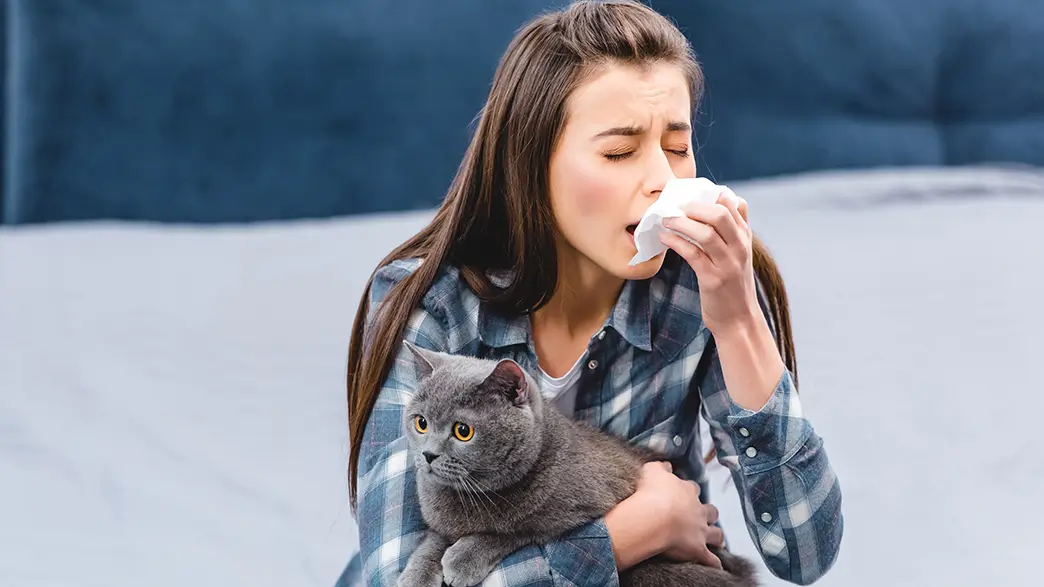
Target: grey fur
{"points": [[527, 476]]}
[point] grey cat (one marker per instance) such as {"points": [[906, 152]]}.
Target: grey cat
{"points": [[496, 471]]}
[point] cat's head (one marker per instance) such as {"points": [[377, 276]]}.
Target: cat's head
{"points": [[474, 424]]}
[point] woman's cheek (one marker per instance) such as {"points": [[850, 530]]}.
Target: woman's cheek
{"points": [[586, 199], [593, 192]]}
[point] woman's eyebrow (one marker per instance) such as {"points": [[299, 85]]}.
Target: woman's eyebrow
{"points": [[631, 131]]}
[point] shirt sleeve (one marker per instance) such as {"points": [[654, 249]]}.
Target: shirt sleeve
{"points": [[389, 516], [790, 495]]}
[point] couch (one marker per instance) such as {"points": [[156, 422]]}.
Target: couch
{"points": [[223, 111]]}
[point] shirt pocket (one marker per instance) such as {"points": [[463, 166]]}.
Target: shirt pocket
{"points": [[667, 437]]}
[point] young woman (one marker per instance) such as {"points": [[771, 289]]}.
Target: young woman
{"points": [[528, 258]]}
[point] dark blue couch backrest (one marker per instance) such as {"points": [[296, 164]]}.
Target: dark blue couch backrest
{"points": [[229, 111]]}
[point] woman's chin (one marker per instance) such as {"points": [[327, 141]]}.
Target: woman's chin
{"points": [[644, 270]]}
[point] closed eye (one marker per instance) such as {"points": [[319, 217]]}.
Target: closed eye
{"points": [[621, 156]]}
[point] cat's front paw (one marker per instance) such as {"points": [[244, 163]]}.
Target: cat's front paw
{"points": [[420, 576], [464, 564]]}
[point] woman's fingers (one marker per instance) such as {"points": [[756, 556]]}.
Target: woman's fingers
{"points": [[715, 536], [717, 216], [700, 232], [744, 211], [737, 206], [712, 513], [697, 259], [707, 558]]}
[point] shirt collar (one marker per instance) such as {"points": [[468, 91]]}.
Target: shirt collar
{"points": [[631, 318], [496, 330], [632, 314]]}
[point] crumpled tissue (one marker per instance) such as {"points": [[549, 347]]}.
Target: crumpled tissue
{"points": [[676, 194]]}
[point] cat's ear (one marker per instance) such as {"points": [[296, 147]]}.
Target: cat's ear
{"points": [[425, 359], [519, 390]]}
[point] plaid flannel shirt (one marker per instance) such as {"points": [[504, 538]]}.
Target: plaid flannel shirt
{"points": [[640, 383]]}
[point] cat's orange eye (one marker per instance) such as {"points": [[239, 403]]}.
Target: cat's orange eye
{"points": [[420, 424], [463, 432]]}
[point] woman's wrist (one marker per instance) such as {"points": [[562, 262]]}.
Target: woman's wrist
{"points": [[637, 532]]}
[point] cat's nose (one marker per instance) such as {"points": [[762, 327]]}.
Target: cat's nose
{"points": [[429, 456]]}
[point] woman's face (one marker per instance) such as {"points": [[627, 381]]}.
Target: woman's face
{"points": [[627, 132]]}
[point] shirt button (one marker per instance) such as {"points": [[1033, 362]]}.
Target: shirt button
{"points": [[601, 335], [678, 440], [592, 365], [744, 432], [766, 517], [752, 452]]}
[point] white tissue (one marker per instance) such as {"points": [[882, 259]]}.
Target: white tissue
{"points": [[675, 196]]}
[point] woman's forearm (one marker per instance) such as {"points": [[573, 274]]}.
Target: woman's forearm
{"points": [[634, 534], [750, 362]]}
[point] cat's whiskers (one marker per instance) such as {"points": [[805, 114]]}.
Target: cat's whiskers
{"points": [[478, 469], [460, 497], [486, 491], [463, 487], [473, 483], [463, 481], [458, 492], [458, 472], [468, 469], [469, 483]]}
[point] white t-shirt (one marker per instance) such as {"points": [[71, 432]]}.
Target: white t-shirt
{"points": [[561, 391]]}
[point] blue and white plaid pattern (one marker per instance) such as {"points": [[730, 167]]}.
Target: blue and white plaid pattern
{"points": [[639, 383]]}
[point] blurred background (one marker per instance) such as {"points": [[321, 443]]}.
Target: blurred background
{"points": [[195, 192]]}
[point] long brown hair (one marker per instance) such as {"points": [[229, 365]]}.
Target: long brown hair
{"points": [[497, 214]]}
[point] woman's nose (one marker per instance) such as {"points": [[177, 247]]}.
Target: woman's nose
{"points": [[658, 174]]}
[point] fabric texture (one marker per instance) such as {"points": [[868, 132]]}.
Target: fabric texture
{"points": [[639, 383]]}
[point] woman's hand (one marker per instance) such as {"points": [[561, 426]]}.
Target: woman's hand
{"points": [[686, 520], [664, 516], [724, 267]]}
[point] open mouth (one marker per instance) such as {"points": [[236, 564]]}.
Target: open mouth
{"points": [[631, 228]]}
